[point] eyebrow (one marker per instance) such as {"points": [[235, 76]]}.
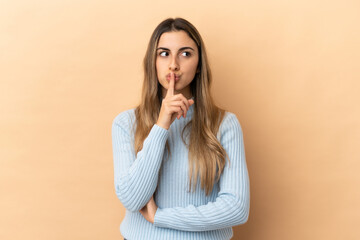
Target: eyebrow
{"points": [[180, 49]]}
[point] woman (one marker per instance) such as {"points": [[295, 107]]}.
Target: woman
{"points": [[179, 160]]}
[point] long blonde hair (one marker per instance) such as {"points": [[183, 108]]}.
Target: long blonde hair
{"points": [[207, 157]]}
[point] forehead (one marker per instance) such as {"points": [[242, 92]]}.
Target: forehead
{"points": [[176, 40]]}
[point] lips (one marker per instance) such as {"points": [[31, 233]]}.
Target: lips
{"points": [[177, 77]]}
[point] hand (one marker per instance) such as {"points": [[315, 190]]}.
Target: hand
{"points": [[149, 210], [173, 106]]}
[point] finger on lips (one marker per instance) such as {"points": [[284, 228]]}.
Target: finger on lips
{"points": [[184, 107], [170, 91]]}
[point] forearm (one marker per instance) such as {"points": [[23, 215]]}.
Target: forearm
{"points": [[226, 211], [135, 178]]}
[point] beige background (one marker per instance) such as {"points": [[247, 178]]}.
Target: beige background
{"points": [[288, 69]]}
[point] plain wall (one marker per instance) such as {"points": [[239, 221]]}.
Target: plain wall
{"points": [[289, 70]]}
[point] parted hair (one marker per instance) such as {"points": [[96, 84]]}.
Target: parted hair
{"points": [[207, 157]]}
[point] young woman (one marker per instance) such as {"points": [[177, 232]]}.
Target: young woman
{"points": [[179, 160]]}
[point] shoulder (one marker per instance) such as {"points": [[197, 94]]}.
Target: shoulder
{"points": [[230, 125], [230, 120], [124, 119]]}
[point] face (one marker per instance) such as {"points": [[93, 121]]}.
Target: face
{"points": [[176, 53]]}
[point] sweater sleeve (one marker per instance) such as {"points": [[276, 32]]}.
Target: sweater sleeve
{"points": [[232, 204], [135, 177]]}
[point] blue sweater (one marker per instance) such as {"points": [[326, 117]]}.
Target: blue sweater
{"points": [[181, 214]]}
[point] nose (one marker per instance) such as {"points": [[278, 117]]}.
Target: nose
{"points": [[174, 65]]}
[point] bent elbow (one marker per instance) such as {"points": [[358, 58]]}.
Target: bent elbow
{"points": [[128, 201], [240, 210], [244, 218], [243, 214], [134, 207]]}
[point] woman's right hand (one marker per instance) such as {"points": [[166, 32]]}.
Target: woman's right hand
{"points": [[173, 106]]}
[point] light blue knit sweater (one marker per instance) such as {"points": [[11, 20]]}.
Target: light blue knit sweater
{"points": [[181, 214]]}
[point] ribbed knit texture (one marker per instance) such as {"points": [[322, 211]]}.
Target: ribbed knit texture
{"points": [[181, 214]]}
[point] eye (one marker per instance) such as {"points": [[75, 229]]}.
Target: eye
{"points": [[163, 54], [186, 54]]}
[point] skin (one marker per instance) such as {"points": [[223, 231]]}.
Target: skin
{"points": [[176, 65]]}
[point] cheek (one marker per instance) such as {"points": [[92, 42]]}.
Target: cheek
{"points": [[193, 66], [160, 67]]}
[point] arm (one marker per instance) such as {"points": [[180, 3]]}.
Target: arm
{"points": [[231, 207], [135, 178]]}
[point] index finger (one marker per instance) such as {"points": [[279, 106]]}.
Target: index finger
{"points": [[170, 91]]}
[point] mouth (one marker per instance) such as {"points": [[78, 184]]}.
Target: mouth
{"points": [[177, 77]]}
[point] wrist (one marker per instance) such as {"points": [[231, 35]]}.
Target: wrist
{"points": [[153, 217], [162, 125]]}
